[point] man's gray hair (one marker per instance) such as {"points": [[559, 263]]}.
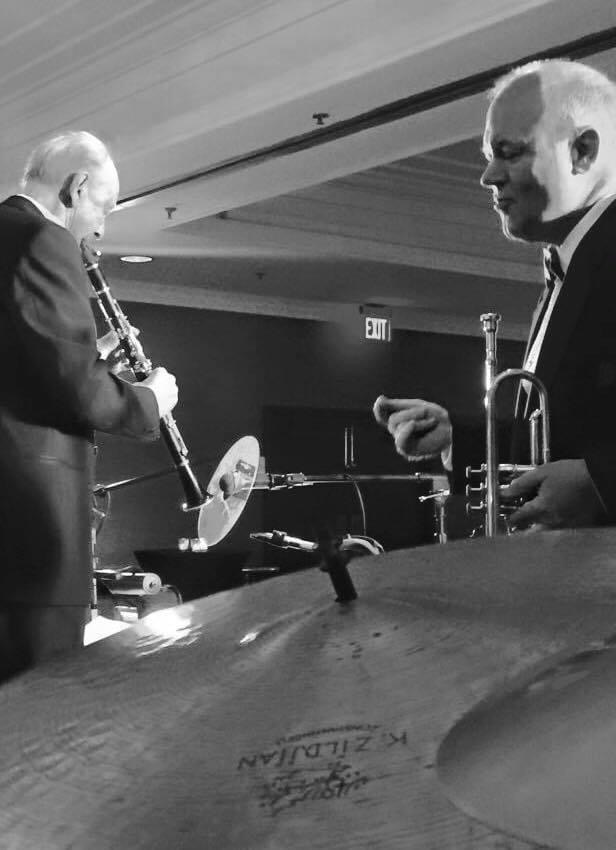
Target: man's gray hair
{"points": [[54, 159], [574, 93]]}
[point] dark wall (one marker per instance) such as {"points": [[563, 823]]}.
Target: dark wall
{"points": [[232, 369]]}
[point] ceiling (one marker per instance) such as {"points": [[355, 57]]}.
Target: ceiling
{"points": [[244, 200]]}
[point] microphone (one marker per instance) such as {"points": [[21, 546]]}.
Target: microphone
{"points": [[284, 541], [356, 544], [336, 552]]}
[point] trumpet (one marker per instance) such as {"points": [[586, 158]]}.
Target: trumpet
{"points": [[491, 471], [141, 368]]}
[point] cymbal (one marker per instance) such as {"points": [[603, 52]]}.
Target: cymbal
{"points": [[537, 758], [230, 486], [273, 718]]}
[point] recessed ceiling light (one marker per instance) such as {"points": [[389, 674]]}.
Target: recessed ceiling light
{"points": [[136, 258]]}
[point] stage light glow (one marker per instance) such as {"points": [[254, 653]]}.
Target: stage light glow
{"points": [[167, 627], [248, 638]]}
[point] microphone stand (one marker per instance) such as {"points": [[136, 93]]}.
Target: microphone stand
{"points": [[336, 553]]}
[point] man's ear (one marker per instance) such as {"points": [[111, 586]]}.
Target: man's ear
{"points": [[584, 150], [71, 190]]}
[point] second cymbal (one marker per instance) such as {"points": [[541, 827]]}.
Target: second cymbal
{"points": [[537, 758]]}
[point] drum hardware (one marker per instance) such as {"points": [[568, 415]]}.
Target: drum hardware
{"points": [[133, 607], [273, 480], [335, 551], [129, 582], [336, 557], [349, 448], [285, 481], [228, 491], [437, 481], [238, 474], [282, 540], [357, 543], [127, 594], [231, 485], [492, 475], [227, 495], [439, 500], [101, 490], [192, 544]]}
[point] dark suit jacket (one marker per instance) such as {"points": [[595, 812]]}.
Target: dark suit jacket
{"points": [[577, 361], [54, 392]]}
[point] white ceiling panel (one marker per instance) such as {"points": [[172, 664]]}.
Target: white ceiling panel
{"points": [[188, 88]]}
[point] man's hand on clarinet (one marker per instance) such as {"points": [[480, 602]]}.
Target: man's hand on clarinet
{"points": [[107, 344], [421, 429], [560, 494], [108, 347], [164, 387]]}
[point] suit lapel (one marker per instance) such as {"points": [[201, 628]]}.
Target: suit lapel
{"points": [[522, 397], [536, 321], [576, 288]]}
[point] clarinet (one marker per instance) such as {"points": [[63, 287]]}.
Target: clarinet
{"points": [[141, 368]]}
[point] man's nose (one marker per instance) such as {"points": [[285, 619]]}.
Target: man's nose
{"points": [[99, 232], [493, 174]]}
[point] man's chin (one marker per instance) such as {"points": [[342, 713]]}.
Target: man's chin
{"points": [[514, 230]]}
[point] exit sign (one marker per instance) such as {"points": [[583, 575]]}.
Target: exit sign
{"points": [[378, 329]]}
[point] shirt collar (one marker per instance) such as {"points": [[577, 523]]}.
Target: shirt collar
{"points": [[567, 248], [42, 209]]}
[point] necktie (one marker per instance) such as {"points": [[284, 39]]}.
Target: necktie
{"points": [[552, 268], [552, 272]]}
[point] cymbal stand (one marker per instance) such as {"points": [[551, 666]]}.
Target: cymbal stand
{"points": [[439, 500], [288, 480], [98, 515], [349, 449], [97, 518], [335, 560], [336, 552]]}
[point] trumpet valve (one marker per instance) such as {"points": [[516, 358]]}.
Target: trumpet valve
{"points": [[475, 489]]}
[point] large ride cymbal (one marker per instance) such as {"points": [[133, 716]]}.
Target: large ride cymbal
{"points": [[538, 758], [272, 718]]}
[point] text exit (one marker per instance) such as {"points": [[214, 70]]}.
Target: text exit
{"points": [[379, 329]]}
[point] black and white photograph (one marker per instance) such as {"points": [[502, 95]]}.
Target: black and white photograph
{"points": [[307, 425]]}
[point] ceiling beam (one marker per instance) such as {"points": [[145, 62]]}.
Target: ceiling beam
{"points": [[424, 101]]}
